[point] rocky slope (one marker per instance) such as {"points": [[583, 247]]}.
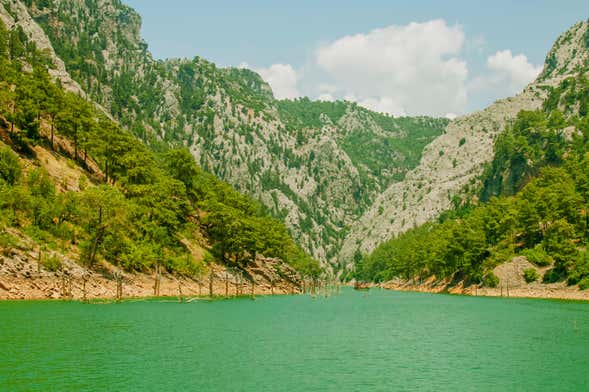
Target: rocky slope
{"points": [[453, 162], [512, 284], [24, 276], [318, 166]]}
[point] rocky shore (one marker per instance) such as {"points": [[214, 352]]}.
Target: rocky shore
{"points": [[511, 284], [23, 277]]}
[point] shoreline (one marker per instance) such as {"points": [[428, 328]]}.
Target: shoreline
{"points": [[557, 291], [22, 277], [98, 287]]}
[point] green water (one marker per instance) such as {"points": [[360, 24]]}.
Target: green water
{"points": [[380, 341]]}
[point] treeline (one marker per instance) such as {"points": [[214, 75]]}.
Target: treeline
{"points": [[535, 203], [141, 208]]}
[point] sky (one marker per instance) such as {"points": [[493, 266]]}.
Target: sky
{"points": [[420, 57]]}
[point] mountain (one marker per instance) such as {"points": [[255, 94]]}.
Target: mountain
{"points": [[318, 166], [82, 197], [342, 178], [452, 164], [525, 217]]}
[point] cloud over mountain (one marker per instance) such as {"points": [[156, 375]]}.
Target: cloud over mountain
{"points": [[412, 69]]}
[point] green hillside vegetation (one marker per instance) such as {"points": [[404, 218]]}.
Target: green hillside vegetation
{"points": [[535, 203], [140, 208], [396, 149]]}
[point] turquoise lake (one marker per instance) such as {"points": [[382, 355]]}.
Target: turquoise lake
{"points": [[356, 341]]}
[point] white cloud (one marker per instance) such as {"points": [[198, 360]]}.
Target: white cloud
{"points": [[516, 69], [508, 74], [413, 69], [283, 79], [383, 105], [325, 97]]}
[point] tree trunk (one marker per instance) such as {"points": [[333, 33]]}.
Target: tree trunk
{"points": [[76, 144], [211, 282], [226, 284], [95, 243], [52, 145], [157, 280]]}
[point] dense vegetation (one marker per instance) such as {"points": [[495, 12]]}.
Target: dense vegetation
{"points": [[140, 208], [395, 143], [535, 197]]}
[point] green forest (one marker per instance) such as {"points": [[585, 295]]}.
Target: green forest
{"points": [[534, 202], [140, 208]]}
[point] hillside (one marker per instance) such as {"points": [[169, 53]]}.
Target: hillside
{"points": [[452, 164], [528, 212], [343, 179], [317, 166], [80, 195]]}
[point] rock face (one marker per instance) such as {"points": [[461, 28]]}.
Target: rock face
{"points": [[14, 13], [454, 160], [449, 164], [317, 166]]}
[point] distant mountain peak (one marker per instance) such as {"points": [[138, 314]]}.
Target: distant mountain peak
{"points": [[568, 56]]}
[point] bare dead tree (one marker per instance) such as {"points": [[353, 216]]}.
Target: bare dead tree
{"points": [[157, 281], [226, 284], [211, 282]]}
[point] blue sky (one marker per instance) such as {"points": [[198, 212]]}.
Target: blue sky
{"points": [[402, 57]]}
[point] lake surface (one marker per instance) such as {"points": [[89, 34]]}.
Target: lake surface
{"points": [[375, 341]]}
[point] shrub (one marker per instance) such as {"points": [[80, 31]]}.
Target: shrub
{"points": [[462, 142], [580, 270], [584, 283], [551, 276], [538, 256], [52, 263], [7, 242], [491, 280], [530, 275], [10, 169]]}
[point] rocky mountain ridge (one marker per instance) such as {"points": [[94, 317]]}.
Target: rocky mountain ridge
{"points": [[303, 159], [341, 177], [451, 164]]}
